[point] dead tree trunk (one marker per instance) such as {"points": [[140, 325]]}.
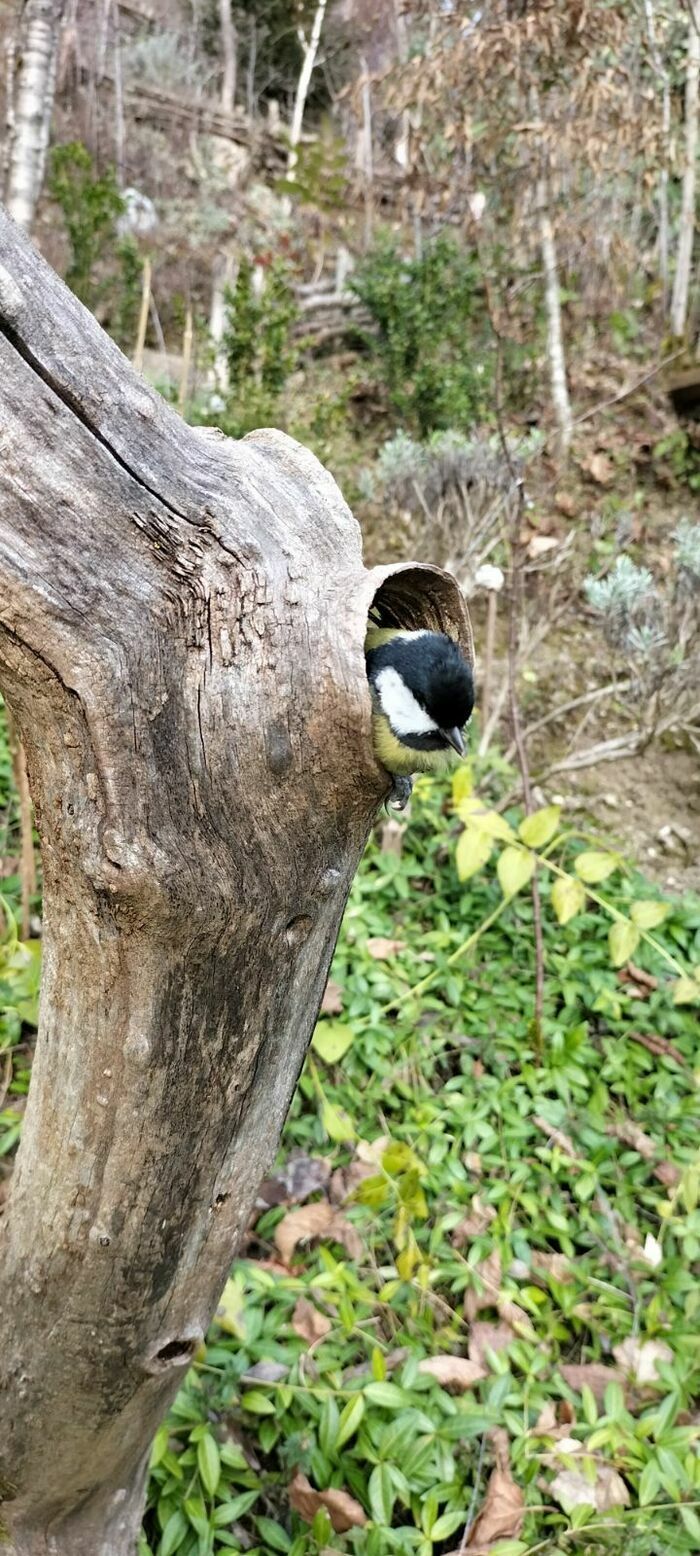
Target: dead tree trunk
{"points": [[181, 644], [37, 44]]}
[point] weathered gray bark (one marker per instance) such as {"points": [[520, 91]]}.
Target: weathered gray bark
{"points": [[181, 644], [38, 32]]}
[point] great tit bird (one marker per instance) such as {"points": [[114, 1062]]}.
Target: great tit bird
{"points": [[422, 696]]}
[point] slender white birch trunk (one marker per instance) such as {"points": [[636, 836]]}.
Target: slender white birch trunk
{"points": [[686, 230], [39, 28], [555, 336]]}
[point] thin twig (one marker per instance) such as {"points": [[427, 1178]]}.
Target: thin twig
{"points": [[475, 1492], [568, 707]]}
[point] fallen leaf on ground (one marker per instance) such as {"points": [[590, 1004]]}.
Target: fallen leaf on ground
{"points": [[566, 504], [309, 1322], [556, 1265], [265, 1372], [633, 974], [595, 1375], [372, 1151], [640, 1359], [572, 1488], [661, 1046], [380, 948], [345, 1180], [344, 1512], [600, 468], [312, 1222], [630, 1134], [539, 545], [667, 1173], [557, 1135], [479, 1217], [332, 1002], [555, 1419], [453, 1372], [300, 1177], [503, 1510], [485, 1337], [485, 1294]]}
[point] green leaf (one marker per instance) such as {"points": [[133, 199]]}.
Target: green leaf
{"points": [[257, 1403], [539, 828], [568, 898], [686, 992], [446, 1524], [691, 1522], [229, 1512], [475, 814], [336, 1122], [350, 1418], [514, 869], [331, 1040], [160, 1446], [648, 915], [623, 940], [592, 867], [173, 1534], [273, 1534], [649, 1483], [509, 1548], [387, 1394], [208, 1463], [472, 853], [381, 1494], [230, 1310]]}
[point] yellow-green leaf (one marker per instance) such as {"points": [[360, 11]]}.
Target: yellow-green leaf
{"points": [[592, 867], [472, 853], [230, 1313], [648, 915], [686, 992], [623, 940], [568, 898], [476, 814], [208, 1463], [514, 869], [350, 1418], [336, 1122], [539, 828], [462, 783], [331, 1040]]}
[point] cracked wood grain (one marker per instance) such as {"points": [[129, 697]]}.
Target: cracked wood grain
{"points": [[181, 643]]}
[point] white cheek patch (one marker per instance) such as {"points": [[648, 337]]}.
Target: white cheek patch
{"points": [[404, 712]]}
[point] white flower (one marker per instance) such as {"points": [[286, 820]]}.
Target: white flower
{"points": [[489, 577]]}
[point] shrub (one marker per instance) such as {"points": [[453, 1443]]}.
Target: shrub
{"points": [[90, 204], [431, 337]]}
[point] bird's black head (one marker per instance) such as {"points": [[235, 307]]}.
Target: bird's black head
{"points": [[433, 669]]}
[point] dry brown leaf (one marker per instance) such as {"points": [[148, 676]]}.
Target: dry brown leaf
{"points": [[453, 1372], [640, 1359], [557, 1135], [265, 1372], [556, 1265], [503, 1510], [312, 1222], [554, 1420], [372, 1151], [345, 1180], [667, 1173], [488, 1274], [381, 948], [344, 1512], [309, 1322], [635, 974], [540, 545], [476, 1222], [601, 469], [572, 1488], [485, 1337], [566, 504], [661, 1046], [300, 1177], [595, 1374], [332, 1002], [630, 1134]]}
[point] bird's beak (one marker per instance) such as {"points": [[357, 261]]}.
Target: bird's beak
{"points": [[454, 736]]}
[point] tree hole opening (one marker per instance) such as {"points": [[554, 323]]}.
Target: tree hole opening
{"points": [[419, 597], [172, 1353]]}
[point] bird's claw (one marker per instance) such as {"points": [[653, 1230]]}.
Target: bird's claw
{"points": [[401, 791]]}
